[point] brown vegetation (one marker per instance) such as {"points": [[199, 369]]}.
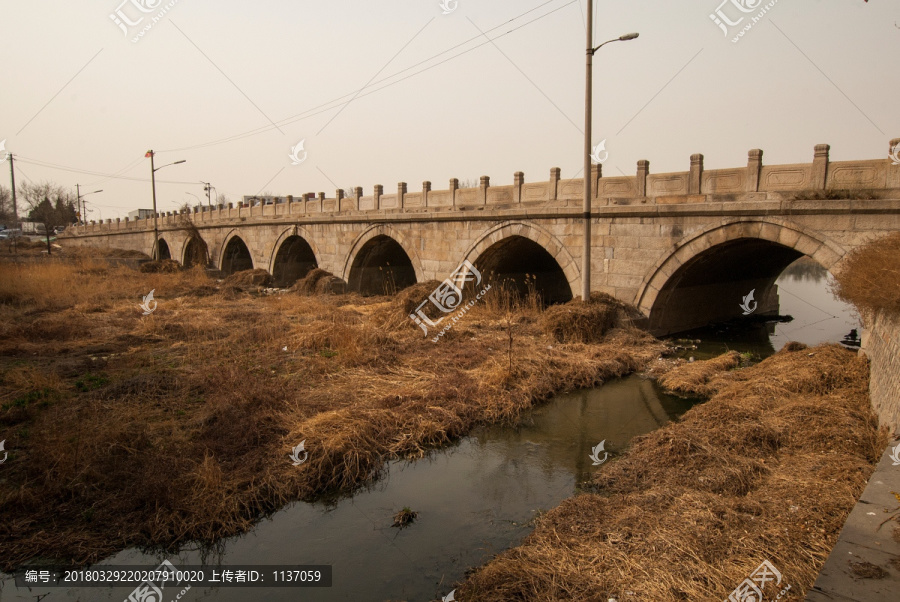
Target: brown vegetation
{"points": [[869, 276], [318, 282], [162, 266], [133, 430], [693, 379], [767, 469]]}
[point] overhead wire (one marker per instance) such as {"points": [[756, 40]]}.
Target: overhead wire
{"points": [[334, 103]]}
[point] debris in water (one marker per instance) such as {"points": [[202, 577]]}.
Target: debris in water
{"points": [[404, 517]]}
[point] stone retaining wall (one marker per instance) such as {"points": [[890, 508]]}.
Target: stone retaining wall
{"points": [[881, 344]]}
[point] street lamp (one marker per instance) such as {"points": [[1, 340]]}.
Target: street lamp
{"points": [[79, 204], [588, 117], [153, 171]]}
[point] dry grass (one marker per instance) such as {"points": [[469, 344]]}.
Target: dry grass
{"points": [[249, 279], [870, 276], [163, 266], [585, 322], [769, 468], [693, 379], [132, 430], [318, 282]]}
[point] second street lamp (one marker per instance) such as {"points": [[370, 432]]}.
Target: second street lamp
{"points": [[153, 171], [588, 118], [79, 202]]}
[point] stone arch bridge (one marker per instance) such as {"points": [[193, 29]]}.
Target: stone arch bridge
{"points": [[683, 247]]}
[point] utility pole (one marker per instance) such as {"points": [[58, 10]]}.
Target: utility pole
{"points": [[153, 170], [208, 188], [588, 118], [155, 255], [12, 178], [78, 203]]}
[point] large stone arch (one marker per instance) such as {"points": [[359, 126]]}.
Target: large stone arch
{"points": [[385, 230], [232, 234], [536, 234], [782, 234], [289, 233], [187, 253], [164, 249]]}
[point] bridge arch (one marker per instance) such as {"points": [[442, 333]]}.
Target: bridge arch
{"points": [[515, 248], [235, 256], [195, 252], [293, 256], [164, 251], [706, 276], [379, 248]]}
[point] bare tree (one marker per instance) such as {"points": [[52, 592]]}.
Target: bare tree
{"points": [[48, 204], [6, 209]]}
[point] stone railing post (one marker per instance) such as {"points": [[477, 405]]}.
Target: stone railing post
{"points": [[754, 169], [401, 194], [696, 174], [339, 196], [484, 184], [454, 186], [643, 170], [819, 175], [555, 173], [518, 182], [596, 174], [426, 188], [378, 191]]}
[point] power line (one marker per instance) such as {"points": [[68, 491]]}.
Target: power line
{"points": [[38, 163], [332, 104]]}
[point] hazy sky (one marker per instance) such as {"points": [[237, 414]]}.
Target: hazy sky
{"points": [[81, 95]]}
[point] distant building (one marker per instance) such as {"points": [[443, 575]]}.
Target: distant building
{"points": [[140, 214]]}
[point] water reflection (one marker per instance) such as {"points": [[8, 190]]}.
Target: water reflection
{"points": [[804, 292], [804, 269], [474, 500]]}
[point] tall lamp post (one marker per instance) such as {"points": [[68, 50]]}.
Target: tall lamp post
{"points": [[588, 118], [79, 205], [153, 171]]}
